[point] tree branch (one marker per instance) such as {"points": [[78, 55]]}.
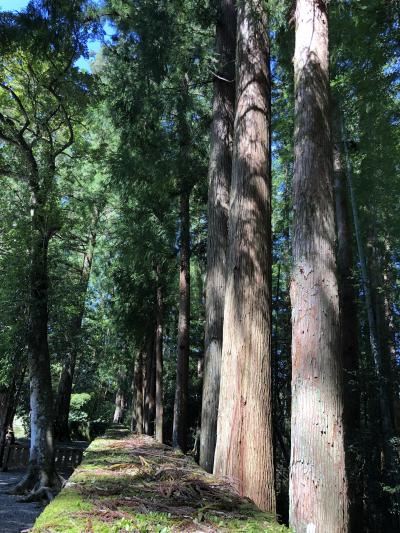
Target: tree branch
{"points": [[20, 105], [68, 121]]}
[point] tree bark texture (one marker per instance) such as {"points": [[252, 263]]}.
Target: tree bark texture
{"points": [[159, 359], [244, 431], [317, 484], [182, 368], [219, 177]]}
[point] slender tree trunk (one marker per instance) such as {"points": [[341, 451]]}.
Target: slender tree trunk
{"points": [[377, 267], [159, 358], [179, 429], [149, 387], [120, 400], [349, 337], [152, 384], [7, 397], [133, 403], [317, 485], [244, 431], [389, 282], [137, 414], [275, 391], [219, 177], [347, 299], [63, 399], [119, 407]]}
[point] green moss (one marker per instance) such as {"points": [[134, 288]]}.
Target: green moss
{"points": [[130, 483], [62, 513]]}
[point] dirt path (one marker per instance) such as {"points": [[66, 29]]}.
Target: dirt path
{"points": [[15, 516]]}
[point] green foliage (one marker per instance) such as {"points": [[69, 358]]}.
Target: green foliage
{"points": [[80, 407]]}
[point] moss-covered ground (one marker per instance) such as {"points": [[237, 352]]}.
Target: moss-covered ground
{"points": [[131, 483]]}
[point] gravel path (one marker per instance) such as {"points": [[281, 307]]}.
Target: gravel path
{"points": [[15, 516]]}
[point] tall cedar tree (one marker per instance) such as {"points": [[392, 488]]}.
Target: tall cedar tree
{"points": [[219, 178], [244, 432], [317, 485]]}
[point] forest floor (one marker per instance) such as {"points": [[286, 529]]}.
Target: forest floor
{"points": [[131, 483]]}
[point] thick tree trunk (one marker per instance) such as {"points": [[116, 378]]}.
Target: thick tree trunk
{"points": [[219, 177], [64, 392], [41, 474], [159, 359], [317, 485], [244, 431], [179, 429]]}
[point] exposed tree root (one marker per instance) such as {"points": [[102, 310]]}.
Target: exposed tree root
{"points": [[43, 493], [38, 485]]}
